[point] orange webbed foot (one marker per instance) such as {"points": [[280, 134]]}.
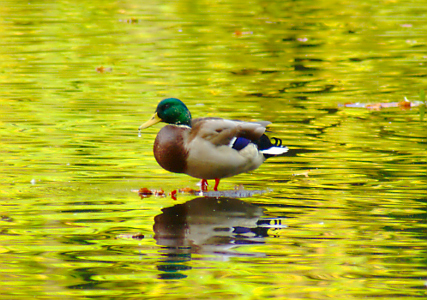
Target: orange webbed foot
{"points": [[216, 184]]}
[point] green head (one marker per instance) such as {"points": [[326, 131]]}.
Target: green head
{"points": [[174, 111], [171, 111]]}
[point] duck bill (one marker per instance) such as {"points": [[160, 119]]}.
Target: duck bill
{"points": [[153, 120]]}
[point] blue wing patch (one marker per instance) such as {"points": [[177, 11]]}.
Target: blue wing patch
{"points": [[240, 143]]}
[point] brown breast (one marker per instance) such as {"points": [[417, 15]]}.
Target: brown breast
{"points": [[169, 149]]}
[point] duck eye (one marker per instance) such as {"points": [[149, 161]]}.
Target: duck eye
{"points": [[166, 106]]}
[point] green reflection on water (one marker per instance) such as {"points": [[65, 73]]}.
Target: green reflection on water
{"points": [[350, 196]]}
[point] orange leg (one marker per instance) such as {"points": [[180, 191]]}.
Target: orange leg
{"points": [[216, 184], [204, 185]]}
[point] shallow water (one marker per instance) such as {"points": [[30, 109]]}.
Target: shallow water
{"points": [[342, 216]]}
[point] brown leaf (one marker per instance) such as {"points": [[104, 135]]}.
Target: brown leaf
{"points": [[404, 104], [144, 192]]}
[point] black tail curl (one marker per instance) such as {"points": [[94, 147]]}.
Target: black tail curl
{"points": [[277, 142], [264, 143]]}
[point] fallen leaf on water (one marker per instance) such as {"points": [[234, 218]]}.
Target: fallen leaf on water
{"points": [[159, 192], [144, 192], [102, 69], [188, 190], [376, 106], [240, 33], [406, 104], [304, 173], [135, 236]]}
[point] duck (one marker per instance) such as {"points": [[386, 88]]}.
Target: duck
{"points": [[209, 148]]}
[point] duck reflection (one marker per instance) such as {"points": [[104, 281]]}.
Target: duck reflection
{"points": [[209, 226]]}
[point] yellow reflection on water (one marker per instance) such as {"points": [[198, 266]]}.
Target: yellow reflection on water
{"points": [[345, 217]]}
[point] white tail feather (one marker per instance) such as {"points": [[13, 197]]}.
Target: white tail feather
{"points": [[275, 150]]}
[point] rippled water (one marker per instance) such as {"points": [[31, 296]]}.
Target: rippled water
{"points": [[342, 216]]}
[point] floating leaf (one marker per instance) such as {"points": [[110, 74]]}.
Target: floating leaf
{"points": [[134, 236], [103, 69], [406, 104], [144, 192]]}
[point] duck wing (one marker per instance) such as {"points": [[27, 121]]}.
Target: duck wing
{"points": [[222, 131]]}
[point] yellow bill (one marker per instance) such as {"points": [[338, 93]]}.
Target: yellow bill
{"points": [[153, 120]]}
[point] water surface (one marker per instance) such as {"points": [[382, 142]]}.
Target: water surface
{"points": [[345, 212]]}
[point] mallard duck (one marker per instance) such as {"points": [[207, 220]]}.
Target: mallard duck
{"points": [[209, 148]]}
